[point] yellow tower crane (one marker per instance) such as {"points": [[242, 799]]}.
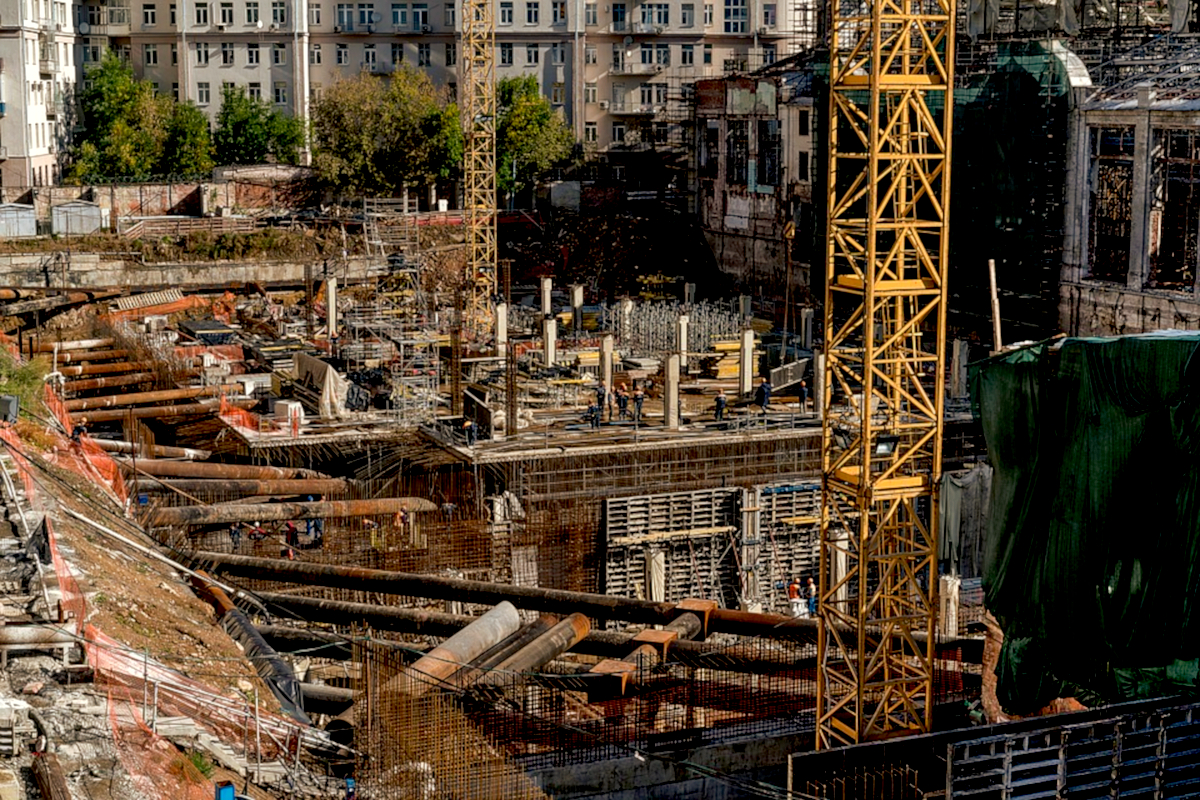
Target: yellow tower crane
{"points": [[478, 98], [890, 108]]}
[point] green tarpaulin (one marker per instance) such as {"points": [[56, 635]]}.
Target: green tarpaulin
{"points": [[1093, 537]]}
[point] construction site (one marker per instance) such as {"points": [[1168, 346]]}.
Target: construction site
{"points": [[820, 482]]}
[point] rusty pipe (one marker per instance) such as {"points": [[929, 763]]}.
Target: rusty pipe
{"points": [[157, 412], [105, 369], [75, 356], [75, 344], [278, 512], [147, 398], [191, 469], [389, 618], [502, 651], [159, 450], [112, 380], [547, 647], [323, 487], [436, 666]]}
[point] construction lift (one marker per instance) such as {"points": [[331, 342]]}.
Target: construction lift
{"points": [[890, 104]]}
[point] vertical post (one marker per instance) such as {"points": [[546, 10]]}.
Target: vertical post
{"points": [[752, 594], [606, 359], [681, 340], [689, 294], [331, 313], [746, 363], [577, 309], [547, 288], [257, 741], [744, 306], [549, 339], [510, 395], [625, 313], [958, 369], [655, 575], [806, 328], [997, 341], [671, 397], [501, 329], [819, 378]]}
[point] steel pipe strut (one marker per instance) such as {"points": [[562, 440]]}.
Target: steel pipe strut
{"points": [[177, 469], [147, 398], [106, 369], [436, 666], [75, 344], [277, 512], [387, 618], [245, 486], [112, 381], [545, 648], [159, 450], [75, 356], [157, 412]]}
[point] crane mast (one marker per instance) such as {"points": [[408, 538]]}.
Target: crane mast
{"points": [[478, 97], [890, 109]]}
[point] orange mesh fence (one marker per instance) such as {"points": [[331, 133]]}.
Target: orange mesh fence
{"points": [[16, 450], [11, 345], [157, 769], [74, 603], [173, 307], [85, 457], [241, 418]]}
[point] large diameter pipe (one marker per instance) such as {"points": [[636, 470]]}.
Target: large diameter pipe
{"points": [[50, 777], [35, 635], [147, 398], [159, 412], [180, 469], [436, 666], [112, 381], [75, 344], [278, 512], [311, 486], [105, 369], [387, 618], [76, 356], [503, 651], [159, 450], [547, 647]]}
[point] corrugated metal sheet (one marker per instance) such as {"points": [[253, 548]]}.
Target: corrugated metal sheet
{"points": [[17, 221]]}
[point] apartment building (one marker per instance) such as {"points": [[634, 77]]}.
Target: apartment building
{"points": [[37, 72]]}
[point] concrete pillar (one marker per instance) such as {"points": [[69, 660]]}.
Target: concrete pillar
{"points": [[806, 328], [577, 308], [840, 544], [1139, 233], [746, 363], [689, 293], [547, 287], [752, 588], [625, 319], [501, 329], [958, 369], [671, 393], [818, 387], [681, 340], [331, 313], [744, 308], [948, 586], [606, 359], [549, 339], [656, 575]]}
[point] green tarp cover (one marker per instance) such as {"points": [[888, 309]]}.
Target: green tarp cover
{"points": [[1092, 550]]}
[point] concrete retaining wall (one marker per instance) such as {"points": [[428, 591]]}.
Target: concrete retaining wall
{"points": [[1092, 308]]}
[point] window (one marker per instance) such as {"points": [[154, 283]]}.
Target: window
{"points": [[533, 12], [659, 133], [366, 12], [647, 51], [660, 93], [227, 54], [400, 15], [589, 14], [420, 16], [175, 91], [451, 55], [589, 54], [315, 91], [768, 54], [558, 94], [506, 13], [558, 12], [149, 15], [423, 59], [589, 93], [343, 54], [397, 53], [314, 14], [769, 15], [687, 55], [314, 54], [278, 13], [202, 54], [708, 54], [656, 14], [802, 166], [506, 54], [278, 54], [251, 13], [735, 16], [451, 14], [201, 13], [662, 55], [618, 132], [150, 55], [768, 171], [203, 93], [647, 93], [280, 93], [254, 91], [345, 16], [687, 15], [708, 14], [369, 55], [558, 53], [531, 54], [172, 14], [226, 13], [589, 132], [174, 55], [737, 148], [618, 17], [252, 55]]}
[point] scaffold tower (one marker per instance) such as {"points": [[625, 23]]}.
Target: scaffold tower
{"points": [[479, 165]]}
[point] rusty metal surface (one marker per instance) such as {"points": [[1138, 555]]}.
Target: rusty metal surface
{"points": [[271, 512], [148, 398]]}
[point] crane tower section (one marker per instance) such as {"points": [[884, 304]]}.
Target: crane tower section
{"points": [[478, 93], [889, 189]]}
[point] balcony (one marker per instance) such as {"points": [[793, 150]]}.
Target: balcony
{"points": [[619, 27], [3, 153], [629, 68], [648, 28], [47, 66], [619, 108]]}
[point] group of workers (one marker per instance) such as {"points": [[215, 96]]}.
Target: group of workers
{"points": [[803, 598], [288, 534], [622, 398]]}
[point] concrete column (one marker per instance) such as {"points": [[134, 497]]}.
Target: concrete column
{"points": [[501, 329], [671, 393], [331, 314], [744, 307], [549, 339], [841, 564], [818, 388], [746, 363], [1139, 218], [606, 359], [806, 328], [577, 308], [547, 287], [681, 340], [656, 575], [948, 587], [689, 293], [625, 319], [752, 588], [958, 369]]}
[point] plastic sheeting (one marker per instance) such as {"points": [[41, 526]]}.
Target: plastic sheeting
{"points": [[1092, 554], [962, 510]]}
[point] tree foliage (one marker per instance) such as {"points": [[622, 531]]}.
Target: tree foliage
{"points": [[249, 131], [188, 146], [530, 133], [376, 137]]}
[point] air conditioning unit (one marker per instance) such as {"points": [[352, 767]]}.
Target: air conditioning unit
{"points": [[337, 28], [658, 67], [426, 29], [604, 104], [274, 27], [58, 27], [220, 27], [764, 30]]}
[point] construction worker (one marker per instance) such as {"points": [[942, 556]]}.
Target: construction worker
{"points": [[810, 595], [719, 405], [799, 607], [639, 397], [469, 431], [762, 395]]}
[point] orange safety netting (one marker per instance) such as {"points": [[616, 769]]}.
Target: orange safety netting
{"points": [[84, 457], [11, 345], [241, 418], [74, 603], [233, 352], [174, 307], [157, 769]]}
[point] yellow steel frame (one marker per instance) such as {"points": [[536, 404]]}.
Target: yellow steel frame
{"points": [[889, 189], [478, 92]]}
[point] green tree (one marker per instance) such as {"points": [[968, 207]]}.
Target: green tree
{"points": [[188, 146], [249, 131], [124, 124], [530, 134], [377, 137]]}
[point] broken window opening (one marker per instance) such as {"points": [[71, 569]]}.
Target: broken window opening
{"points": [[1110, 207], [737, 148], [1174, 209]]}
